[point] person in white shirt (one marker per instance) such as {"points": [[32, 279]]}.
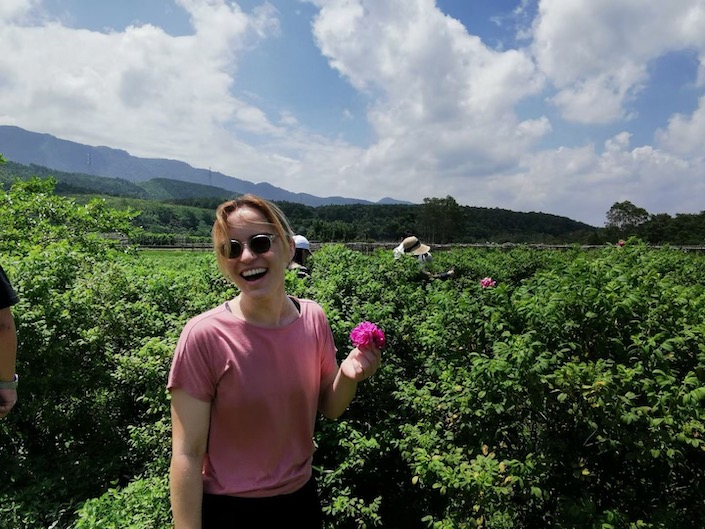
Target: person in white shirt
{"points": [[422, 252]]}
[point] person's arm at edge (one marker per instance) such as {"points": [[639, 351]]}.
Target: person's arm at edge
{"points": [[8, 359], [190, 419], [450, 274], [358, 366]]}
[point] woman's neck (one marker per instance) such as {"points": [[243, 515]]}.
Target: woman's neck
{"points": [[276, 312]]}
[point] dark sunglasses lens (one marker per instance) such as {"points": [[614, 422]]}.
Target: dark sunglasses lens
{"points": [[260, 244], [235, 249]]}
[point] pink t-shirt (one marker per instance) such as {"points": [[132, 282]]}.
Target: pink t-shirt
{"points": [[263, 385]]}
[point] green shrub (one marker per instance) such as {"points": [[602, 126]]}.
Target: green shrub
{"points": [[143, 504], [568, 396]]}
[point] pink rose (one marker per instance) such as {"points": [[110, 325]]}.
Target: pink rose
{"points": [[621, 242], [488, 282], [367, 332]]}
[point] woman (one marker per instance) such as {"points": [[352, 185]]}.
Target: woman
{"points": [[247, 381]]}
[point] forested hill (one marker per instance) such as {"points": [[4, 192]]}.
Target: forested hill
{"points": [[80, 183], [182, 208]]}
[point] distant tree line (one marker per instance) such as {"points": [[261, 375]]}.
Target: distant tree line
{"points": [[170, 208], [444, 221], [436, 221], [624, 220]]}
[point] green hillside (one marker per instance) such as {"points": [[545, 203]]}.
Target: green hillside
{"points": [[78, 183], [166, 189], [185, 209], [71, 183]]}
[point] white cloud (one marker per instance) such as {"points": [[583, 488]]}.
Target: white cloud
{"points": [[13, 10], [222, 26], [442, 100], [596, 52], [685, 135], [287, 118], [583, 183]]}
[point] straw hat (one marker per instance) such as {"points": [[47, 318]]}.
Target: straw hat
{"points": [[413, 246]]}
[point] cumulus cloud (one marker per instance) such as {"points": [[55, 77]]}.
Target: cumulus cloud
{"points": [[685, 135], [14, 10], [596, 52], [439, 94], [445, 105], [584, 182]]}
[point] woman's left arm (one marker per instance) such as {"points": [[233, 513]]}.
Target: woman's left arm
{"points": [[361, 363]]}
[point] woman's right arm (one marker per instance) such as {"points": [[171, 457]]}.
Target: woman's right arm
{"points": [[190, 420], [8, 353]]}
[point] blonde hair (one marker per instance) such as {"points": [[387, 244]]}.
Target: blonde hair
{"points": [[274, 215]]}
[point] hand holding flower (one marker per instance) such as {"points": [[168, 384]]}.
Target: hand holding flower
{"points": [[365, 359]]}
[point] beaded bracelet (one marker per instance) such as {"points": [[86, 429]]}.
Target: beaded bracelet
{"points": [[12, 384]]}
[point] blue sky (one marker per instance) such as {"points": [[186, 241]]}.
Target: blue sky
{"points": [[558, 106]]}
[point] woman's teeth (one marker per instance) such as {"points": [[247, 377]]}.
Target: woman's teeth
{"points": [[254, 273]]}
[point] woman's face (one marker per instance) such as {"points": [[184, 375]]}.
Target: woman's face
{"points": [[257, 275]]}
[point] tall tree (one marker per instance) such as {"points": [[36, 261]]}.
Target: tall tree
{"points": [[441, 219], [624, 216]]}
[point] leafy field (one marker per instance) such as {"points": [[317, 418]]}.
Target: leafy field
{"points": [[569, 395]]}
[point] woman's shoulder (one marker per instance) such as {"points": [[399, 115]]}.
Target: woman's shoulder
{"points": [[207, 319], [313, 320], [309, 306], [309, 303]]}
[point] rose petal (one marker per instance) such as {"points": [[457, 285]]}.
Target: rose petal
{"points": [[366, 333]]}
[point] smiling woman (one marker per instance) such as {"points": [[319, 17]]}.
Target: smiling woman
{"points": [[247, 382]]}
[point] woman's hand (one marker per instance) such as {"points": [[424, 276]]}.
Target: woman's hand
{"points": [[362, 362]]}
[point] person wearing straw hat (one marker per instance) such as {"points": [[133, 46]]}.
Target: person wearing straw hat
{"points": [[422, 252]]}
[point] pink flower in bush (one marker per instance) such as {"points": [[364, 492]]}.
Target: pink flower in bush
{"points": [[488, 282], [620, 242], [367, 332]]}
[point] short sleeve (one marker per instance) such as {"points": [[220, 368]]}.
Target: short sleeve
{"points": [[190, 369]]}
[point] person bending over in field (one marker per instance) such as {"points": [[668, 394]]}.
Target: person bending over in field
{"points": [[422, 253], [247, 381]]}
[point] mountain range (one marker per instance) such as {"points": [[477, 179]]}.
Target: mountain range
{"points": [[47, 151]]}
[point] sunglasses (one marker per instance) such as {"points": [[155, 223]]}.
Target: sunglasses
{"points": [[260, 243]]}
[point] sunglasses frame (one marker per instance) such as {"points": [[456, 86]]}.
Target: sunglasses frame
{"points": [[234, 243]]}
